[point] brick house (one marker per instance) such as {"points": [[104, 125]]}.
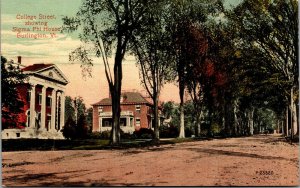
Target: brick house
{"points": [[43, 95], [136, 113]]}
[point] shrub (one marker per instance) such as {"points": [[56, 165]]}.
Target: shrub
{"points": [[144, 133], [125, 135], [69, 130], [105, 135], [168, 132], [81, 128], [270, 130], [188, 132], [94, 135]]}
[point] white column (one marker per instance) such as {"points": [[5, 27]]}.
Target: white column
{"points": [[32, 107], [158, 121], [53, 110], [58, 96], [100, 124], [127, 121], [62, 110], [43, 108]]}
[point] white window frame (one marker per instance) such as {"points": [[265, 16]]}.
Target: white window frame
{"points": [[138, 108], [100, 109], [138, 124]]}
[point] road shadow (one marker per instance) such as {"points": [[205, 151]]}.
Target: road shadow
{"points": [[236, 154], [270, 139], [63, 179], [148, 149], [56, 179]]}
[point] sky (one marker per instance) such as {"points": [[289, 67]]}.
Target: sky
{"points": [[56, 48]]}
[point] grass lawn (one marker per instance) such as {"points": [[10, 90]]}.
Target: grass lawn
{"points": [[49, 144], [86, 144]]}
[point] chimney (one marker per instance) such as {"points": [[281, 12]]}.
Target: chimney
{"points": [[19, 59]]}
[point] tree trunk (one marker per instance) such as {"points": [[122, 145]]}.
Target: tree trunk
{"points": [[181, 109], [287, 121], [251, 122], [115, 136], [282, 128], [116, 96], [156, 126], [228, 118], [235, 119], [293, 114], [295, 120], [197, 123], [297, 113]]}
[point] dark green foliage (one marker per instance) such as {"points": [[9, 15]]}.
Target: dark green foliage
{"points": [[144, 133], [189, 131], [89, 119], [94, 135], [72, 130], [105, 134], [168, 131], [168, 109], [69, 108], [81, 128], [11, 103], [69, 130], [75, 112]]}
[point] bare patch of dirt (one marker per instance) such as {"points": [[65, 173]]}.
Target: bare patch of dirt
{"points": [[263, 160]]}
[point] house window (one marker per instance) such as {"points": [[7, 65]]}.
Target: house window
{"points": [[131, 122], [50, 74], [100, 109], [122, 122], [137, 122], [40, 99], [138, 108], [18, 135], [106, 123]]}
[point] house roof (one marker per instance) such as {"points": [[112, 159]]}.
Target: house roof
{"points": [[42, 70], [128, 98], [36, 67]]}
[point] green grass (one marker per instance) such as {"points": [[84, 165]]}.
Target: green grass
{"points": [[87, 144], [41, 144]]}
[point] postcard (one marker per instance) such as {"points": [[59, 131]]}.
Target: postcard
{"points": [[132, 93]]}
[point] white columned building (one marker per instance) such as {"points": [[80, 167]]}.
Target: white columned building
{"points": [[45, 103]]}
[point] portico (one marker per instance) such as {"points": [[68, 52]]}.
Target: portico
{"points": [[50, 102], [44, 103], [126, 121]]}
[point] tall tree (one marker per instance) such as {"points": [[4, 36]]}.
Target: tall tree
{"points": [[108, 27], [11, 103], [196, 57], [151, 48], [183, 15], [271, 27], [76, 118]]}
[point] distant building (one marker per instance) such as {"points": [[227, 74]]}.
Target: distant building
{"points": [[43, 95], [136, 113]]}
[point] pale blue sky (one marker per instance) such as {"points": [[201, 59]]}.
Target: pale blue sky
{"points": [[57, 50]]}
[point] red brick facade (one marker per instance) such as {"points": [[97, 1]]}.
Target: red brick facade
{"points": [[43, 95], [136, 112]]}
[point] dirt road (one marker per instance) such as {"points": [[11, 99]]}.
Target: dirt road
{"points": [[250, 161]]}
